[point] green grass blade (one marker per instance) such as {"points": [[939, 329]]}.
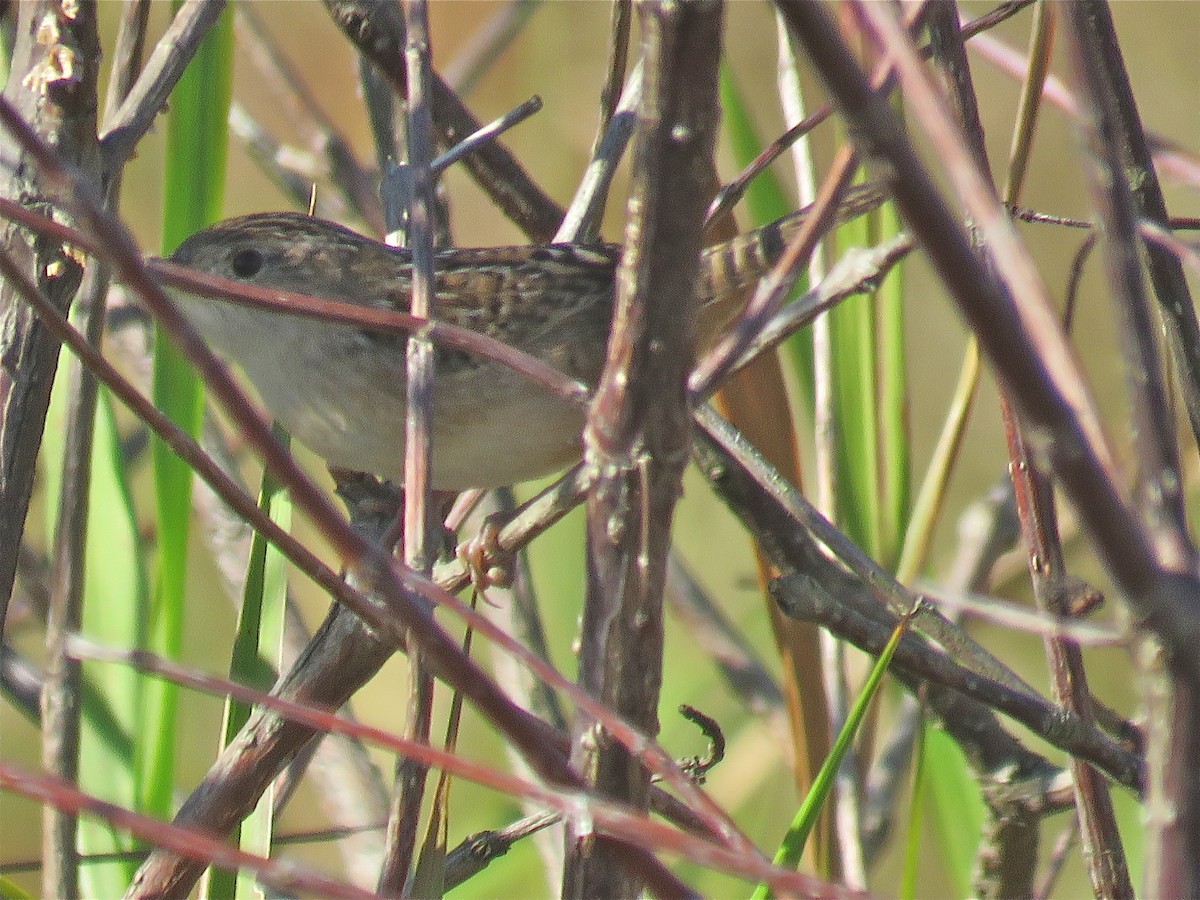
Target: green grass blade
{"points": [[115, 605], [918, 537], [855, 363], [257, 649], [894, 438], [10, 890], [194, 180], [954, 806], [870, 399], [792, 847], [912, 844], [766, 198], [117, 587]]}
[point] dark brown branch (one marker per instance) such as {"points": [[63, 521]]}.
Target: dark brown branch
{"points": [[64, 691], [618, 60], [60, 107], [376, 29], [847, 604], [1023, 342], [53, 81], [1008, 857], [637, 435], [1115, 140], [1160, 482], [1093, 26], [409, 788]]}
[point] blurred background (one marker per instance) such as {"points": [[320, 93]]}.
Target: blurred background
{"points": [[561, 55]]}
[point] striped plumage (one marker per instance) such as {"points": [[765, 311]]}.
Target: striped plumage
{"points": [[340, 389]]}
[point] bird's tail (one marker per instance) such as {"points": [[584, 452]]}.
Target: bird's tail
{"points": [[731, 268]]}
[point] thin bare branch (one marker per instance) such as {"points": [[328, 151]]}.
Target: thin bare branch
{"points": [[637, 433], [1014, 322], [377, 30], [145, 100]]}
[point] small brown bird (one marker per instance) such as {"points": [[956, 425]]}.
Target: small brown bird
{"points": [[340, 389]]}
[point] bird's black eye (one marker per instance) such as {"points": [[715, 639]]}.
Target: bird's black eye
{"points": [[246, 263]]}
